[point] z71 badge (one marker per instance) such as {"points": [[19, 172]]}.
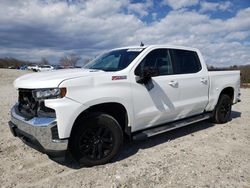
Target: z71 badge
{"points": [[119, 77]]}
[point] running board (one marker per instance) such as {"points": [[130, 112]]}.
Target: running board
{"points": [[170, 126]]}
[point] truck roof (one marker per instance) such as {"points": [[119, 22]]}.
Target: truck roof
{"points": [[159, 46]]}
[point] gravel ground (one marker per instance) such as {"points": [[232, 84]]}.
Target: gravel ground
{"points": [[199, 155]]}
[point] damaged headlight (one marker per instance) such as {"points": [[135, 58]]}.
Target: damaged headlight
{"points": [[50, 93]]}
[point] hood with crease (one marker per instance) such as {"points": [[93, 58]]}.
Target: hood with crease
{"points": [[51, 79]]}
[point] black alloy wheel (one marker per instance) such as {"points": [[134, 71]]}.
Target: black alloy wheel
{"points": [[96, 140], [223, 109]]}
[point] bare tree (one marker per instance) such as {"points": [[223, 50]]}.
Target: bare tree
{"points": [[69, 60], [44, 61]]}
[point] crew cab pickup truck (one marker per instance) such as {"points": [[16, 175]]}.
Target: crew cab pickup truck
{"points": [[135, 92]]}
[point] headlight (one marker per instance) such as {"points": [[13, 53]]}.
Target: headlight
{"points": [[50, 93]]}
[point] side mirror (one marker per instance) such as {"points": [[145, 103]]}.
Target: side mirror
{"points": [[147, 74]]}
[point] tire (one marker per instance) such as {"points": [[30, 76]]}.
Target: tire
{"points": [[96, 140], [222, 110]]}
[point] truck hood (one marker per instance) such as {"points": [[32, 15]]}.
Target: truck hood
{"points": [[52, 79]]}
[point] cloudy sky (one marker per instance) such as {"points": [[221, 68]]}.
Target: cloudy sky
{"points": [[31, 29]]}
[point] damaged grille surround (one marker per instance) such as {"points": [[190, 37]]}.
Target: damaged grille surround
{"points": [[29, 106]]}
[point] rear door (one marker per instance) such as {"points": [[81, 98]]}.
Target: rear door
{"points": [[192, 81]]}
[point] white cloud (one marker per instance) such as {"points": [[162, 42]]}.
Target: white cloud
{"points": [[32, 54], [85, 24], [225, 5], [32, 28], [140, 8], [103, 8], [210, 6], [221, 41], [180, 3]]}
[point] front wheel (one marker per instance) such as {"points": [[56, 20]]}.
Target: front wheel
{"points": [[223, 109], [96, 140]]}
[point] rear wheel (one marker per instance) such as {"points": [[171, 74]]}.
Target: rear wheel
{"points": [[223, 109], [96, 140]]}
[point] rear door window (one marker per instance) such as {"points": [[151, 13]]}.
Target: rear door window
{"points": [[185, 61]]}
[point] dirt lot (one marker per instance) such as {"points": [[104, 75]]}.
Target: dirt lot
{"points": [[200, 155]]}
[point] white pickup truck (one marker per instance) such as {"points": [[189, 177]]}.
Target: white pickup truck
{"points": [[133, 91], [40, 68]]}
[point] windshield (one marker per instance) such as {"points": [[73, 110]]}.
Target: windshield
{"points": [[114, 60]]}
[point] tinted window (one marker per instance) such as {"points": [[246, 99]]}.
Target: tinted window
{"points": [[45, 66], [185, 61], [159, 59]]}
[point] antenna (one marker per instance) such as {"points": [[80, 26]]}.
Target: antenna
{"points": [[141, 44]]}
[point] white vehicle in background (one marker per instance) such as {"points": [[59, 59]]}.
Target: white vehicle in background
{"points": [[136, 92], [42, 68], [33, 67]]}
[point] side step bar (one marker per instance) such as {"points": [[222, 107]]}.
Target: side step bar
{"points": [[170, 126]]}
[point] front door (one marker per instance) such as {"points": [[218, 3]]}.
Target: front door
{"points": [[157, 101]]}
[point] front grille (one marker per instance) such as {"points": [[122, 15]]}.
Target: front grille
{"points": [[29, 107], [27, 104]]}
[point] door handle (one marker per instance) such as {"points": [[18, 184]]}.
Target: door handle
{"points": [[204, 80], [173, 83]]}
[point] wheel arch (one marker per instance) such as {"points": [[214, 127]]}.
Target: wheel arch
{"points": [[227, 91], [220, 116], [114, 109]]}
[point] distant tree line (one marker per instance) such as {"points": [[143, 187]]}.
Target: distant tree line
{"points": [[244, 71], [245, 74], [66, 61], [70, 60], [9, 62], [12, 62]]}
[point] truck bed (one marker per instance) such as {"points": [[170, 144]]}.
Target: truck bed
{"points": [[218, 81]]}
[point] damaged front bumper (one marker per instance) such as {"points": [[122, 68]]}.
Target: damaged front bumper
{"points": [[39, 132]]}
